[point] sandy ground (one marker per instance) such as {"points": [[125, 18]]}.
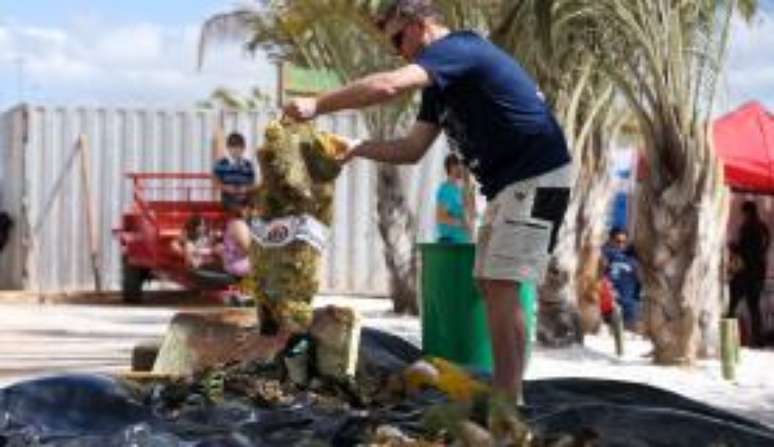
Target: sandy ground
{"points": [[42, 339]]}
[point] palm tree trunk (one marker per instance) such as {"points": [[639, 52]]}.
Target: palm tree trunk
{"points": [[595, 193], [398, 231], [569, 305], [682, 241], [558, 318]]}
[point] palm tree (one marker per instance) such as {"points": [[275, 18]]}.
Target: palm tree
{"points": [[225, 98], [664, 57], [340, 36]]}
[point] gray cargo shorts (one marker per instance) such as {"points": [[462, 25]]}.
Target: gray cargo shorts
{"points": [[520, 228]]}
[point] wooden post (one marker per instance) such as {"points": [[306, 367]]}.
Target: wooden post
{"points": [[281, 84], [737, 342], [218, 151], [727, 348], [618, 330], [91, 212], [51, 198]]}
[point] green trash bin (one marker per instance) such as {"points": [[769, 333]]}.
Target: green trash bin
{"points": [[454, 324]]}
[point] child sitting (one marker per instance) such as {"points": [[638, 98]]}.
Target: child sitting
{"points": [[195, 244]]}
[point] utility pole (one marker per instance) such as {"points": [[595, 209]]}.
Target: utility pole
{"points": [[281, 84], [20, 62]]}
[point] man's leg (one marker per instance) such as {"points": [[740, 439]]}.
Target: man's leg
{"points": [[507, 333], [736, 291], [753, 295], [514, 244]]}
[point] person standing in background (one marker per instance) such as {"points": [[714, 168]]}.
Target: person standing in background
{"points": [[621, 268], [234, 174], [450, 215], [752, 246]]}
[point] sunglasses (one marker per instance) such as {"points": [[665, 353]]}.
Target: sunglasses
{"points": [[397, 39]]}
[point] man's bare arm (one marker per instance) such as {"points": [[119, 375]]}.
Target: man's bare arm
{"points": [[374, 89], [406, 150]]}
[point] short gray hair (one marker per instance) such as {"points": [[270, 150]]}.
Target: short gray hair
{"points": [[408, 9]]}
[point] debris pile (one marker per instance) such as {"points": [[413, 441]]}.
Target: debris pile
{"points": [[387, 392]]}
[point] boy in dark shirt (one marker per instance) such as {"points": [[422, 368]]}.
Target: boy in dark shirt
{"points": [[495, 118], [234, 174], [622, 269]]}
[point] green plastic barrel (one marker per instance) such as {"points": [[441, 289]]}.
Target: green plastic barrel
{"points": [[528, 297], [454, 323]]}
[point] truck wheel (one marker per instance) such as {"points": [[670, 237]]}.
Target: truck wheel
{"points": [[132, 279]]}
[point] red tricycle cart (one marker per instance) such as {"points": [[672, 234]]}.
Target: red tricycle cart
{"points": [[161, 205]]}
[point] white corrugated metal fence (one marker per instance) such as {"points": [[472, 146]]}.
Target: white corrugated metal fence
{"points": [[49, 249]]}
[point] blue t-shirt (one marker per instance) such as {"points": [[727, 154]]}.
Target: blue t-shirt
{"points": [[622, 272], [491, 111], [449, 197], [235, 173]]}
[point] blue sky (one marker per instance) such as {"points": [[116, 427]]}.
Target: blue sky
{"points": [[57, 12], [143, 52], [117, 53]]}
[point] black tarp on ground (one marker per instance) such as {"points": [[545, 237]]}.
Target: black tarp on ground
{"points": [[96, 411]]}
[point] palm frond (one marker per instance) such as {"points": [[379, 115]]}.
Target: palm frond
{"points": [[237, 25]]}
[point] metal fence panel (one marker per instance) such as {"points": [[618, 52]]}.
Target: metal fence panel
{"points": [[11, 194], [156, 140]]}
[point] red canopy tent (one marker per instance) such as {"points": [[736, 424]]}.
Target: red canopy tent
{"points": [[744, 141]]}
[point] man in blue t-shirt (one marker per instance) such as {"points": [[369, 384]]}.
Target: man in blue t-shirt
{"points": [[451, 224], [494, 116], [234, 174]]}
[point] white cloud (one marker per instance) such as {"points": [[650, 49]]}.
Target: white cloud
{"points": [[129, 64], [753, 78], [131, 45], [5, 39], [58, 65], [750, 68], [96, 62], [50, 37]]}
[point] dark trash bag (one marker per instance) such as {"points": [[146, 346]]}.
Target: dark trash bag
{"points": [[630, 414], [99, 411]]}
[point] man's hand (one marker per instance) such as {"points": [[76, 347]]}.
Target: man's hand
{"points": [[301, 109], [357, 149]]}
